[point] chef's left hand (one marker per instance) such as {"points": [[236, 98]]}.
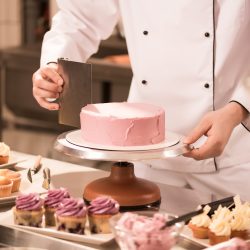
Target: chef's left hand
{"points": [[217, 126]]}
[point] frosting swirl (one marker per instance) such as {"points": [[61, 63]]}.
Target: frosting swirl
{"points": [[29, 202], [240, 223], [222, 213], [55, 196], [202, 220], [103, 205], [71, 207], [4, 149], [220, 227]]}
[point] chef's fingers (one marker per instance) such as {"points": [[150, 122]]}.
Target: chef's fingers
{"points": [[40, 82], [45, 93], [211, 148], [50, 73], [45, 104], [200, 130]]}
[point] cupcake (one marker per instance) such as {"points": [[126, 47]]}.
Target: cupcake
{"points": [[16, 178], [5, 186], [3, 172], [219, 231], [4, 153], [100, 211], [51, 203], [71, 216], [199, 224], [28, 210], [240, 223]]}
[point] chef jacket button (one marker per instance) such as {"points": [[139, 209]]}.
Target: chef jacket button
{"points": [[145, 32], [207, 34], [206, 85], [144, 82]]}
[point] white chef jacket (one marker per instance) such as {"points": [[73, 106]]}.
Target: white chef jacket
{"points": [[188, 56]]}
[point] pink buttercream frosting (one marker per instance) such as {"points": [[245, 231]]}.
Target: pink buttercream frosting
{"points": [[71, 207], [233, 244], [29, 202], [55, 196], [144, 233], [123, 124], [103, 205]]}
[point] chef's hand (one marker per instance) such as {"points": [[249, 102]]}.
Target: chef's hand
{"points": [[47, 83], [217, 126]]}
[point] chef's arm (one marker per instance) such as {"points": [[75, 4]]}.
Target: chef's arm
{"points": [[76, 32], [78, 28], [242, 97]]}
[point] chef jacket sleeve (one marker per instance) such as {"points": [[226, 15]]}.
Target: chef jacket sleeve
{"points": [[242, 96], [78, 28]]}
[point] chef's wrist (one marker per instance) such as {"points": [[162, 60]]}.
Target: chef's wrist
{"points": [[238, 111]]}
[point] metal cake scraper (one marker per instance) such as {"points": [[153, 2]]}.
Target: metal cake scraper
{"points": [[77, 90]]}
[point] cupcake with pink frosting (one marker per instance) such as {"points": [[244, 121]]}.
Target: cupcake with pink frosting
{"points": [[71, 215], [101, 209], [28, 210], [52, 201]]}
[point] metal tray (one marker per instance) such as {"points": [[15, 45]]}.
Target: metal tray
{"points": [[62, 145]]}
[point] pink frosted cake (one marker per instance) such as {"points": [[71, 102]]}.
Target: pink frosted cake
{"points": [[123, 124]]}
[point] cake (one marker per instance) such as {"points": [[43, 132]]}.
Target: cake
{"points": [[122, 124], [199, 224], [71, 216], [16, 178], [51, 203], [100, 211], [28, 210], [5, 186], [4, 153], [133, 231]]}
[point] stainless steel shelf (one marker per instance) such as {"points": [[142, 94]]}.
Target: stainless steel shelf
{"points": [[62, 145]]}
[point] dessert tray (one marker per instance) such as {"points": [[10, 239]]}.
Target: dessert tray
{"points": [[6, 218], [13, 160], [70, 143]]}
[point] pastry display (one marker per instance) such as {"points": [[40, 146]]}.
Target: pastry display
{"points": [[199, 224], [133, 231], [28, 210], [100, 211], [122, 124], [51, 203], [5, 187], [71, 216], [4, 153], [233, 244]]}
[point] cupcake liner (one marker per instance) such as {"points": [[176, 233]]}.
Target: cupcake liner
{"points": [[5, 190], [215, 239], [4, 159], [71, 224], [99, 223]]}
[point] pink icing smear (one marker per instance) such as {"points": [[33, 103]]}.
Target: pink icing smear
{"points": [[103, 205], [55, 196], [123, 124], [29, 202], [144, 233], [71, 207]]}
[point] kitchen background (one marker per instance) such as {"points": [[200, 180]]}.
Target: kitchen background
{"points": [[24, 126]]}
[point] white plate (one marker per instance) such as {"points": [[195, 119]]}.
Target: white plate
{"points": [[75, 138], [26, 187], [12, 161], [187, 232], [6, 218]]}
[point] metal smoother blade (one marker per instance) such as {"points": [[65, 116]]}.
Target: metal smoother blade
{"points": [[76, 90]]}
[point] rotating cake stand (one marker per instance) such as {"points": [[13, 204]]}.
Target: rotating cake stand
{"points": [[131, 192]]}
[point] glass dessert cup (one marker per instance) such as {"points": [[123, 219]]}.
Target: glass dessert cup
{"points": [[161, 239]]}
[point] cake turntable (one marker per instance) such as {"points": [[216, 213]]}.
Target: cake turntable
{"points": [[131, 192]]}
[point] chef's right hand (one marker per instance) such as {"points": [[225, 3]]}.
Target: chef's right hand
{"points": [[47, 83]]}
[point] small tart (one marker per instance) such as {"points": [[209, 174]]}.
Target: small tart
{"points": [[5, 187]]}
